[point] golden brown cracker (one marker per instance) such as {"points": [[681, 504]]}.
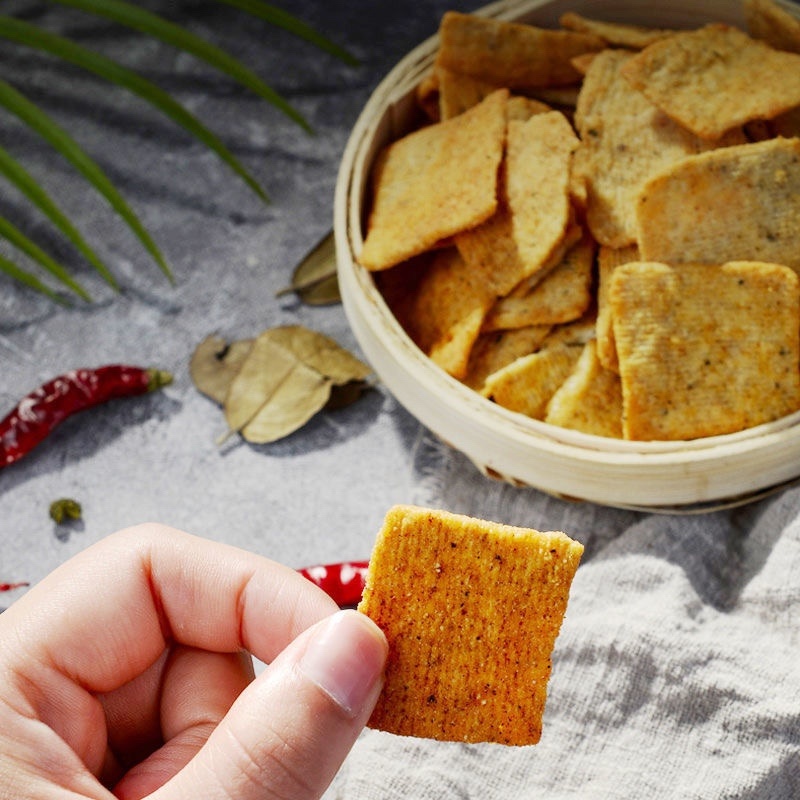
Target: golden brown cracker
{"points": [[608, 260], [434, 183], [471, 610], [715, 79], [491, 250], [583, 62], [705, 349], [768, 21], [624, 140], [734, 204], [510, 54], [616, 34], [529, 229], [527, 384], [459, 92], [450, 303], [590, 399], [497, 349], [523, 108], [539, 154], [398, 286], [563, 295], [577, 333]]}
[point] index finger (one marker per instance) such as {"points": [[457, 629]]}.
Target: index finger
{"points": [[105, 615]]}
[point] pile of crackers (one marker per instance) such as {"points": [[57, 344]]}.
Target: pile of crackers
{"points": [[597, 226]]}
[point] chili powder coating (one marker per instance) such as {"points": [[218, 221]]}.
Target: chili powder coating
{"points": [[471, 610], [41, 411]]}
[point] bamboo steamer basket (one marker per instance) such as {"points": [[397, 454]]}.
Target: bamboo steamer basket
{"points": [[671, 477]]}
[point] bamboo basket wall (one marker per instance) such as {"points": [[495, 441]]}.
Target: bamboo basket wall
{"points": [[674, 477]]}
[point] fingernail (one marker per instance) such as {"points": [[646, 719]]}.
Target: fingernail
{"points": [[345, 658]]}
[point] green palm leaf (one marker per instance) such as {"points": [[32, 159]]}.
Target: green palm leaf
{"points": [[31, 36], [15, 173], [23, 243], [151, 24], [59, 139], [129, 15], [31, 281], [288, 22]]}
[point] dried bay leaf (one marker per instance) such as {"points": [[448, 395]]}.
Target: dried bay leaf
{"points": [[215, 363], [292, 402], [286, 377], [314, 279], [320, 352]]}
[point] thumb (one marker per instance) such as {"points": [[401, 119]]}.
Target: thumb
{"points": [[290, 730]]}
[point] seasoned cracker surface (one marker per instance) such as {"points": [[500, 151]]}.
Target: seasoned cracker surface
{"points": [[538, 160], [562, 295], [590, 399], [471, 610], [625, 139], [705, 349], [527, 384], [737, 203], [716, 78], [497, 349], [434, 183], [458, 93], [608, 260], [448, 310], [510, 54]]}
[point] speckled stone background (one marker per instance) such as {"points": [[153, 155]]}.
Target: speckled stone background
{"points": [[312, 497], [676, 672]]}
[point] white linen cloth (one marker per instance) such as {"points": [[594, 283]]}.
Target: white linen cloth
{"points": [[676, 672]]}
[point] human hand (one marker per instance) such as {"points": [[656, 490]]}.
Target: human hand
{"points": [[127, 670]]}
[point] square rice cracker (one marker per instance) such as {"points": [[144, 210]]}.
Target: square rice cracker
{"points": [[625, 139], [716, 78], [527, 384], [434, 183], [705, 349], [738, 203], [768, 21], [590, 399], [510, 54], [471, 610]]}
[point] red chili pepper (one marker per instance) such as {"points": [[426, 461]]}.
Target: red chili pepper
{"points": [[36, 415], [8, 587], [343, 582]]}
